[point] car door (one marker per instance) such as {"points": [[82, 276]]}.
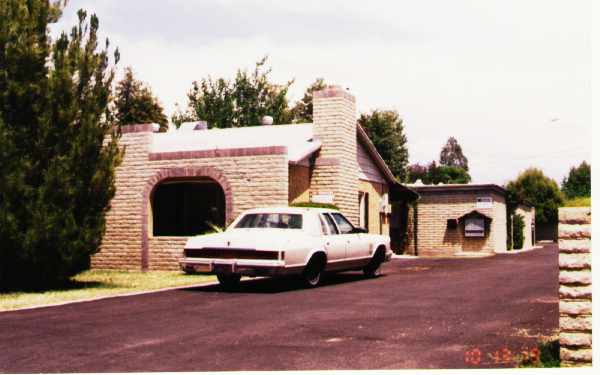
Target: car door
{"points": [[356, 243], [335, 244]]}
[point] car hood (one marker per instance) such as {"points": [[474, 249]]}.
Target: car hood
{"points": [[258, 239]]}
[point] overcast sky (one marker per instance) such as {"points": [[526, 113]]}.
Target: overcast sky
{"points": [[511, 80]]}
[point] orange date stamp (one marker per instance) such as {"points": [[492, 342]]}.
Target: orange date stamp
{"points": [[501, 356]]}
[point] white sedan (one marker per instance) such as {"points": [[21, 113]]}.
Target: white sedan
{"points": [[286, 241]]}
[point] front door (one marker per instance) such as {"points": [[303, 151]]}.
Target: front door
{"points": [[357, 246], [335, 244]]}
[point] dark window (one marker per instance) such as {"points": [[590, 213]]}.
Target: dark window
{"points": [[343, 223], [331, 224], [187, 208], [270, 220]]}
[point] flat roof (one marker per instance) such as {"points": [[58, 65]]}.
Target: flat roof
{"points": [[445, 188]]}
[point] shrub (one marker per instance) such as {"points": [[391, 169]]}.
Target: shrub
{"points": [[578, 202], [315, 205], [518, 231], [549, 356]]}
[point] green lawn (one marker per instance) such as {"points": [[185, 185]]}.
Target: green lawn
{"points": [[96, 283], [579, 202]]}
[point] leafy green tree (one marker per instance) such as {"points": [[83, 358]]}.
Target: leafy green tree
{"points": [[451, 175], [386, 131], [417, 172], [437, 174], [452, 155], [579, 181], [135, 103], [57, 177], [534, 188], [303, 109], [241, 102]]}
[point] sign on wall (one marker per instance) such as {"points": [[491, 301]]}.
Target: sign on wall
{"points": [[324, 198], [474, 227], [484, 202]]}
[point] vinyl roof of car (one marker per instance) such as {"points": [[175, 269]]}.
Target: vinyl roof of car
{"points": [[288, 210]]}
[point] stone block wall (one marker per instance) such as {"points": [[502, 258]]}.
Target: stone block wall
{"points": [[334, 121], [434, 238], [128, 242], [575, 291]]}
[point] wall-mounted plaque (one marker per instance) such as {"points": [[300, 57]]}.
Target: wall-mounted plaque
{"points": [[474, 227]]}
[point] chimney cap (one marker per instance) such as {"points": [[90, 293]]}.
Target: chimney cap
{"points": [[266, 120]]}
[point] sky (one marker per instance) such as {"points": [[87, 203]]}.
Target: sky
{"points": [[510, 80]]}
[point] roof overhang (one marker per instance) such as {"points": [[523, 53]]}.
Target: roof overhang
{"points": [[445, 188], [297, 154], [397, 190], [474, 213]]}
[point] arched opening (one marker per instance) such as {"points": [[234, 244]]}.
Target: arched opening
{"points": [[187, 206]]}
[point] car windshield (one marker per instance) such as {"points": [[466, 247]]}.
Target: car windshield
{"points": [[271, 220]]}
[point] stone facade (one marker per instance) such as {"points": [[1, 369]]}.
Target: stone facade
{"points": [[335, 171], [249, 177], [575, 291], [430, 233], [128, 242]]}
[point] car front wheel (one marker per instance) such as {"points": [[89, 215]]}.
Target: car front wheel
{"points": [[373, 269], [229, 280]]}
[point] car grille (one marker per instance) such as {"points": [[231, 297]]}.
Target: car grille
{"points": [[227, 253]]}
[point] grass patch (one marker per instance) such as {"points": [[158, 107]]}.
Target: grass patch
{"points": [[578, 202], [548, 355], [101, 283]]}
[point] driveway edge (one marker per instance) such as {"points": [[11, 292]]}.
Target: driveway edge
{"points": [[208, 283]]}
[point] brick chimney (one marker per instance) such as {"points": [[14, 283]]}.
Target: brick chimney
{"points": [[334, 122]]}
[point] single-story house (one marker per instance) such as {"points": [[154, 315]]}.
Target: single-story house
{"points": [[179, 183], [453, 218]]}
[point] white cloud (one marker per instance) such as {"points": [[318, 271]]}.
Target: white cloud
{"points": [[493, 74]]}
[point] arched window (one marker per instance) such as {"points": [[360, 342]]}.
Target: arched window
{"points": [[187, 207]]}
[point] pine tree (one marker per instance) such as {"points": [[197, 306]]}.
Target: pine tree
{"points": [[135, 103], [57, 177]]}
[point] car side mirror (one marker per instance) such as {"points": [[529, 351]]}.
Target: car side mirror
{"points": [[359, 230]]}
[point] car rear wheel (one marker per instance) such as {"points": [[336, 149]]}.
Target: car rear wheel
{"points": [[229, 280], [313, 272]]}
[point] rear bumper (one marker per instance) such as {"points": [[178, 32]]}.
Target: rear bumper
{"points": [[241, 266]]}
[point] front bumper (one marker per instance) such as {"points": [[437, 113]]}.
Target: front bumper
{"points": [[241, 266]]}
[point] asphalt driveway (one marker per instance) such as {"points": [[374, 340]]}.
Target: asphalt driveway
{"points": [[423, 313]]}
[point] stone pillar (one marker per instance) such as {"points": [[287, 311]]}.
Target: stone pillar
{"points": [[336, 167], [575, 292], [122, 241]]}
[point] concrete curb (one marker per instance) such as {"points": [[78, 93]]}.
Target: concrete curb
{"points": [[210, 283], [468, 254], [509, 252], [403, 256]]}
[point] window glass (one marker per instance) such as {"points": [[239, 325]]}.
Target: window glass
{"points": [[343, 223], [331, 224], [271, 220], [187, 208], [323, 225]]}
